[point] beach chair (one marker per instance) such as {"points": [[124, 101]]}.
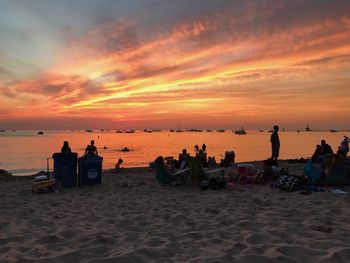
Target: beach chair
{"points": [[164, 177], [198, 173]]}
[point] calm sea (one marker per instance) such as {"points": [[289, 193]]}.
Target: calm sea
{"points": [[25, 152]]}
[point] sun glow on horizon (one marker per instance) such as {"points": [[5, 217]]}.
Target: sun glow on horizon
{"points": [[245, 64]]}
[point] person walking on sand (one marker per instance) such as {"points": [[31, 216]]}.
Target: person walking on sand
{"points": [[275, 143]]}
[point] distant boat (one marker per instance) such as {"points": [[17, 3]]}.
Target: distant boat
{"points": [[209, 130], [307, 128], [221, 130], [130, 131], [178, 130], [333, 130], [172, 130], [298, 130], [88, 130], [13, 130], [40, 132], [194, 130], [261, 130], [240, 131], [2, 130], [102, 130], [270, 131], [118, 131], [149, 131], [156, 130]]}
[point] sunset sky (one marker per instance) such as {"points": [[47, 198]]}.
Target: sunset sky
{"points": [[117, 64]]}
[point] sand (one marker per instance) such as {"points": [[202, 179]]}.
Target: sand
{"points": [[131, 218]]}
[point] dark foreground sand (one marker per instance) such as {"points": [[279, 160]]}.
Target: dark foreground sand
{"points": [[131, 218]]}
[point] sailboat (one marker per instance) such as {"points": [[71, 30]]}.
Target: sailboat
{"points": [[307, 128]]}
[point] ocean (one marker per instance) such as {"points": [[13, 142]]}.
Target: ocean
{"points": [[25, 152]]}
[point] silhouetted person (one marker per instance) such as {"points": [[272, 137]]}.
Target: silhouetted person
{"points": [[204, 147], [117, 166], [182, 162], [318, 151], [326, 148], [196, 148], [344, 146], [65, 148], [202, 157], [91, 149], [275, 143]]}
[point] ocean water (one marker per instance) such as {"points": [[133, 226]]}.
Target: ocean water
{"points": [[26, 152]]}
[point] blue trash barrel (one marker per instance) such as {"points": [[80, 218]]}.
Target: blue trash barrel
{"points": [[65, 168], [90, 170]]}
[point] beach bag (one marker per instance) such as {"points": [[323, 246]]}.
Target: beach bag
{"points": [[288, 183]]}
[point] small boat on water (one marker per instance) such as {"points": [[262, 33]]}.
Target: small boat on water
{"points": [[172, 131], [118, 131], [209, 131], [261, 130], [2, 130], [240, 131], [307, 128], [194, 130], [221, 130], [130, 131], [40, 132], [178, 130], [88, 130], [333, 130]]}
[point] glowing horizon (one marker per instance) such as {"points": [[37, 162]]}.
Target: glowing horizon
{"points": [[149, 64]]}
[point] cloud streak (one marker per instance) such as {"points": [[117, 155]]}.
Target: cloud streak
{"points": [[257, 58]]}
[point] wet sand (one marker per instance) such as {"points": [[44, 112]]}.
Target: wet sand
{"points": [[131, 218]]}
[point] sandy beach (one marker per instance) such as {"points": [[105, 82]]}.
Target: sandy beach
{"points": [[131, 218]]}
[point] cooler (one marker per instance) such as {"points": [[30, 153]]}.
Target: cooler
{"points": [[90, 170], [65, 168]]}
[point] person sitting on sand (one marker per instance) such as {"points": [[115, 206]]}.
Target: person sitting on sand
{"points": [[65, 148], [344, 146], [316, 156], [326, 148], [182, 162], [91, 149], [229, 159], [202, 157], [117, 166], [196, 148]]}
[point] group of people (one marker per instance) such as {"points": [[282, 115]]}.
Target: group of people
{"points": [[90, 149], [325, 149]]}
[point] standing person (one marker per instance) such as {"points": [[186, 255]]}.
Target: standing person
{"points": [[204, 147], [275, 143], [91, 149]]}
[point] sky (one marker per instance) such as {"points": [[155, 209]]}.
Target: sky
{"points": [[121, 64]]}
